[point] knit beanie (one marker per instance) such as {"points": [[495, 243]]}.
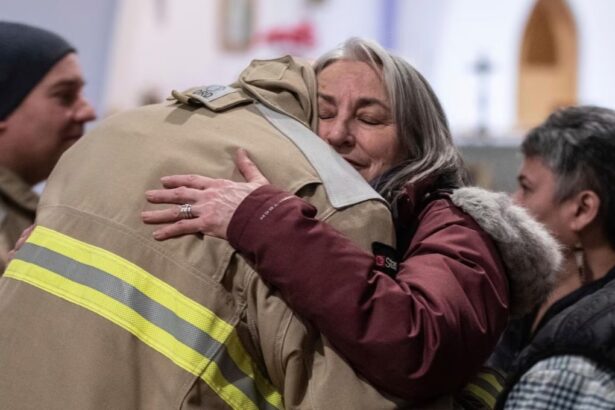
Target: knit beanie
{"points": [[26, 54]]}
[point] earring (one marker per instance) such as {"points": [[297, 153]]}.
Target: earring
{"points": [[579, 257]]}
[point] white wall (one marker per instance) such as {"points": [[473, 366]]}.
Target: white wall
{"points": [[340, 19], [145, 55], [596, 30], [420, 33]]}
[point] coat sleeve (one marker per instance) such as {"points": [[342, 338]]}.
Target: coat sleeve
{"points": [[416, 336]]}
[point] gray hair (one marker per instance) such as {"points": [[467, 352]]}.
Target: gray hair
{"points": [[422, 126], [578, 145]]}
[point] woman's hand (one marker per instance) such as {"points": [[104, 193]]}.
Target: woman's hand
{"points": [[213, 201]]}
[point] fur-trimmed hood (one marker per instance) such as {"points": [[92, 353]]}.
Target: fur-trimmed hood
{"points": [[531, 256]]}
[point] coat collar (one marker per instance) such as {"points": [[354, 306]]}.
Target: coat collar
{"points": [[531, 256]]}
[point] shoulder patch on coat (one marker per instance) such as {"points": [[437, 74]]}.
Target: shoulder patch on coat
{"points": [[217, 98]]}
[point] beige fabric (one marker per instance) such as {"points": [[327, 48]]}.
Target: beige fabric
{"points": [[17, 207], [56, 355]]}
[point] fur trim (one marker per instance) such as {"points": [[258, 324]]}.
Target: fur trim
{"points": [[531, 256]]}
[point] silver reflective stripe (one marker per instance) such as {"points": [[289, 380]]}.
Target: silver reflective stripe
{"points": [[344, 185], [148, 308]]}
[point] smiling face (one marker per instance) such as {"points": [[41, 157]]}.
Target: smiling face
{"points": [[48, 121], [356, 119]]}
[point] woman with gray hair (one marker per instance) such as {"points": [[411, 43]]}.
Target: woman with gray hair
{"points": [[561, 356], [416, 322]]}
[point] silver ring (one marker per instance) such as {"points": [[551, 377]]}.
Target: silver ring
{"points": [[185, 211]]}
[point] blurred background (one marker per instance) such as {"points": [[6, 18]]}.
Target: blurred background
{"points": [[499, 67]]}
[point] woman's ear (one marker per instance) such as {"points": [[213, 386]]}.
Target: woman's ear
{"points": [[587, 207]]}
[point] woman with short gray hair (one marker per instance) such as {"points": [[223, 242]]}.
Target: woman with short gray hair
{"points": [[561, 356], [418, 321]]}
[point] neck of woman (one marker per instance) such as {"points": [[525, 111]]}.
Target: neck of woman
{"points": [[600, 259], [568, 281]]}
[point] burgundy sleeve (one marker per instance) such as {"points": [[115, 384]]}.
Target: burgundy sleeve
{"points": [[419, 335]]}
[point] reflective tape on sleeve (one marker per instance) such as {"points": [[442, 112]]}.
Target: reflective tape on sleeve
{"points": [[483, 390], [190, 335]]}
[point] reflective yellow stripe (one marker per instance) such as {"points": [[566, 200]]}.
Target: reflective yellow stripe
{"points": [[130, 273], [486, 387], [482, 394], [200, 332], [492, 380], [110, 309]]}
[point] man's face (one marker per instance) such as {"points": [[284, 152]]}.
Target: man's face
{"points": [[49, 120], [536, 192]]}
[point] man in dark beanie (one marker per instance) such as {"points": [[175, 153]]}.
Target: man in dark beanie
{"points": [[42, 113]]}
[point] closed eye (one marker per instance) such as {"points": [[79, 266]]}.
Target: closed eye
{"points": [[370, 121], [326, 115]]}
